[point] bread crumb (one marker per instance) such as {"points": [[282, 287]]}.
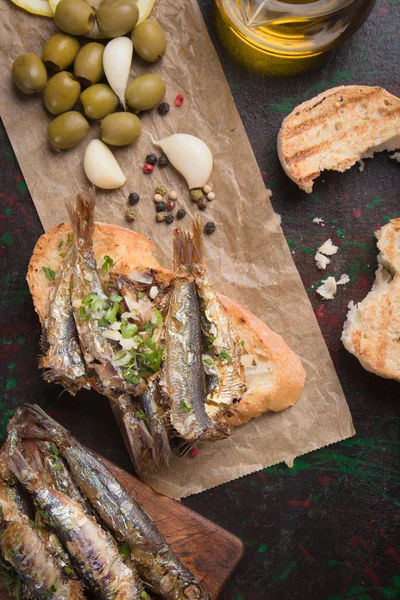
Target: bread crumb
{"points": [[328, 248], [279, 218], [396, 156], [343, 279], [361, 165], [321, 260], [319, 221], [328, 289]]}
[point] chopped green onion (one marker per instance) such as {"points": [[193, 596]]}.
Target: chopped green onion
{"points": [[50, 274], [128, 330], [140, 415], [115, 298], [107, 264], [143, 595], [157, 318], [69, 239], [140, 295], [225, 356], [184, 406], [208, 361]]}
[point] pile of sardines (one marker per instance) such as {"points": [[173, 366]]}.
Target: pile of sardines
{"points": [[68, 528], [162, 350]]}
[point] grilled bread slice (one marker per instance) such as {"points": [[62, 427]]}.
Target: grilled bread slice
{"points": [[372, 328], [336, 129], [274, 374]]}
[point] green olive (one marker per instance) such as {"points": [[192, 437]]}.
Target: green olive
{"points": [[88, 65], [117, 17], [29, 73], [59, 51], [120, 129], [98, 101], [74, 16], [61, 93], [145, 92], [67, 130], [149, 40]]}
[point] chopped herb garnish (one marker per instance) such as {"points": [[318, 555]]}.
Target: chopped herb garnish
{"points": [[1, 512], [68, 571], [69, 239], [157, 318], [140, 295], [62, 254], [124, 551], [147, 325], [111, 313], [184, 406], [115, 298], [143, 595], [102, 322], [208, 361], [60, 245], [54, 449], [225, 356], [50, 274], [242, 343], [211, 339], [140, 415], [93, 302], [10, 580], [128, 330], [32, 524], [107, 264], [83, 314]]}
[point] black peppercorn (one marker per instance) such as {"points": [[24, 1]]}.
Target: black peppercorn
{"points": [[151, 159], [163, 108], [181, 213], [169, 219], [163, 161], [202, 203], [133, 198], [209, 227], [160, 206]]}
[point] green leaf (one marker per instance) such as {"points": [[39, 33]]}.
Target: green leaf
{"points": [[225, 356], [147, 325], [124, 551], [83, 314], [68, 571], [115, 298], [208, 361], [111, 313], [140, 295], [107, 264], [157, 318], [242, 343], [143, 595], [69, 239], [102, 322], [53, 449], [50, 274], [60, 245], [184, 406], [140, 415], [62, 254], [128, 330]]}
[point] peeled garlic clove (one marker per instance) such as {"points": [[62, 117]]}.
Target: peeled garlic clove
{"points": [[190, 156], [101, 168], [117, 59]]}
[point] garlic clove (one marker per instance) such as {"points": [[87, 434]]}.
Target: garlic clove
{"points": [[117, 59], [190, 156], [101, 168]]}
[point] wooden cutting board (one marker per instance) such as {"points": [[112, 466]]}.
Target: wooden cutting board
{"points": [[206, 549]]}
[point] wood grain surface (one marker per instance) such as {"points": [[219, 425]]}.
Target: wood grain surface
{"points": [[206, 549]]}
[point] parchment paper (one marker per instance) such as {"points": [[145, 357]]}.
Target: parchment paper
{"points": [[248, 257]]}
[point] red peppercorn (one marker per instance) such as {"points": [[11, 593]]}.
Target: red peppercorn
{"points": [[171, 205], [194, 452], [147, 168], [179, 100]]}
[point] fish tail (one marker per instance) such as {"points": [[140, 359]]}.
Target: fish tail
{"points": [[82, 219], [188, 248], [20, 467], [34, 423]]}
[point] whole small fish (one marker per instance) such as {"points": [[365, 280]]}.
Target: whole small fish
{"points": [[63, 361], [155, 416], [93, 551], [185, 378], [222, 348], [24, 550], [156, 563]]}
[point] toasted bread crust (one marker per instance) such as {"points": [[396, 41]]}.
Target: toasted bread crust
{"points": [[372, 328], [274, 385], [335, 129]]}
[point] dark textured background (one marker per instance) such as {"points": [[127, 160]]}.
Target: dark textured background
{"points": [[329, 527]]}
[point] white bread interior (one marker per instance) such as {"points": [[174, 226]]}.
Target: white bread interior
{"points": [[273, 372], [336, 129]]}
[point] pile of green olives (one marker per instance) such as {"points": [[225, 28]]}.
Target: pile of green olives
{"points": [[76, 90]]}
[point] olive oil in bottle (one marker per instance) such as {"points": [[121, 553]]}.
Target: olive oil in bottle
{"points": [[285, 37]]}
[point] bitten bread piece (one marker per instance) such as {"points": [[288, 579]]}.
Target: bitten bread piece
{"points": [[273, 372], [372, 329], [336, 129]]}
